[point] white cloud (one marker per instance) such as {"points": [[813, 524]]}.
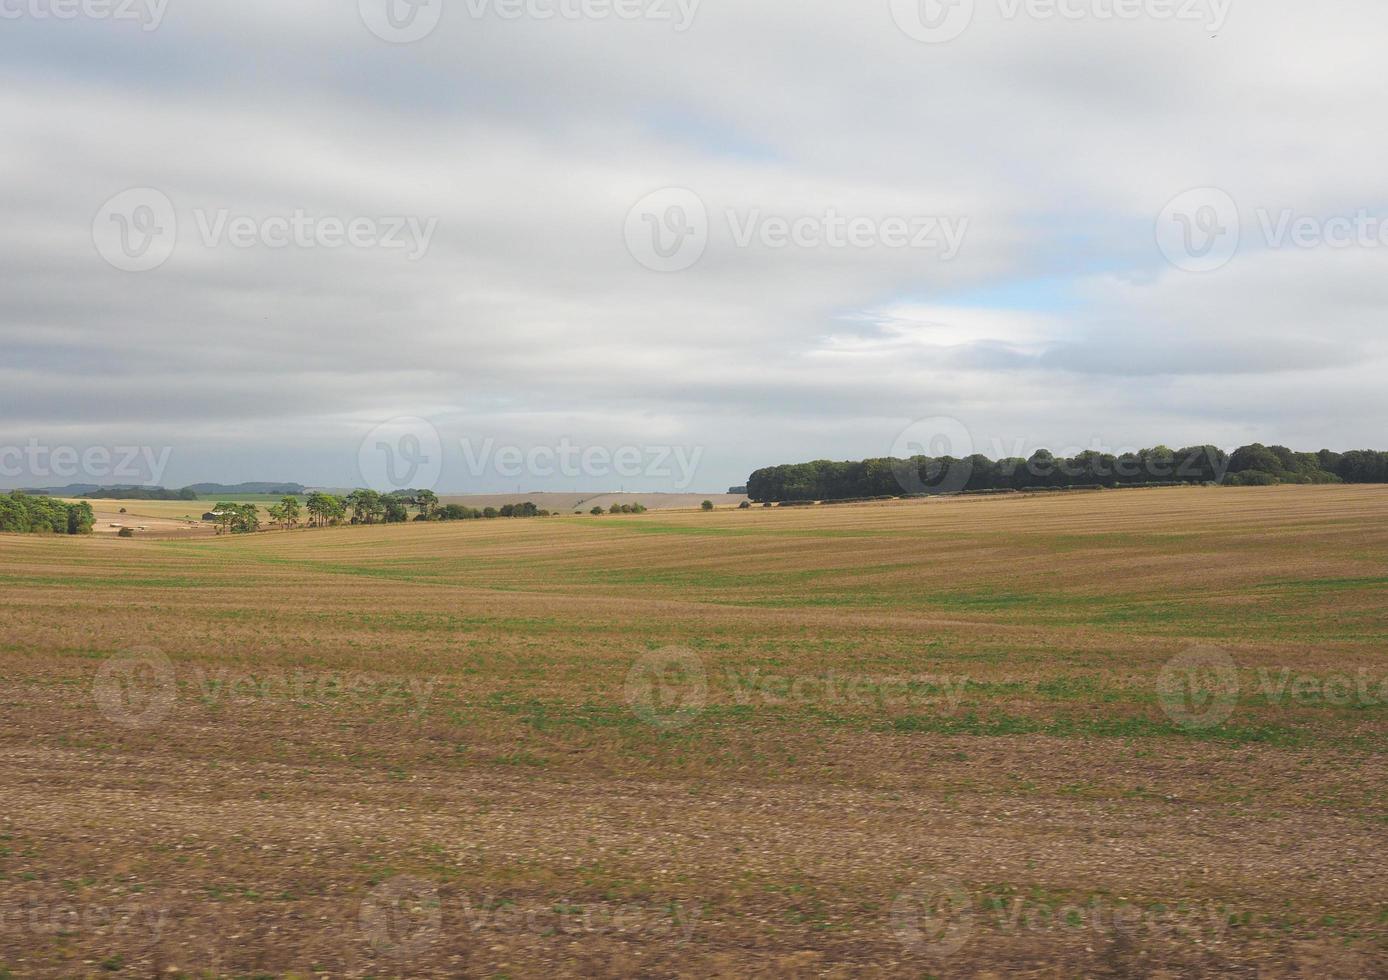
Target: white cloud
{"points": [[529, 141]]}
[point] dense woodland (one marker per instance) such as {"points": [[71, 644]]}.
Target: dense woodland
{"points": [[1255, 465], [25, 514]]}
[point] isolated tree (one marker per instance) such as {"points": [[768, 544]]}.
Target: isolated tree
{"points": [[596, 512], [707, 505], [80, 518]]}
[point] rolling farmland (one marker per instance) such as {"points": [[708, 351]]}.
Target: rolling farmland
{"points": [[1103, 733]]}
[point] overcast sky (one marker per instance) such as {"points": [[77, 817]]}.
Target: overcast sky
{"points": [[711, 236]]}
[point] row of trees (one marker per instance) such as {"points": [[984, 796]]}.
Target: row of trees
{"points": [[361, 507], [636, 508], [24, 513], [921, 475]]}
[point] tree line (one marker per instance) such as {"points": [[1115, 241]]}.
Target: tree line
{"points": [[1254, 465], [24, 513], [360, 507]]}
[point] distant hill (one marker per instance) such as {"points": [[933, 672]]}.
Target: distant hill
{"points": [[71, 490], [140, 493], [126, 491], [213, 489]]}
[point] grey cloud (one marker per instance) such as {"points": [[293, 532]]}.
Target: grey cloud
{"points": [[530, 141]]}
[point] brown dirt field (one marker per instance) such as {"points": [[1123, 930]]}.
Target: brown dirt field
{"points": [[941, 738], [109, 519]]}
